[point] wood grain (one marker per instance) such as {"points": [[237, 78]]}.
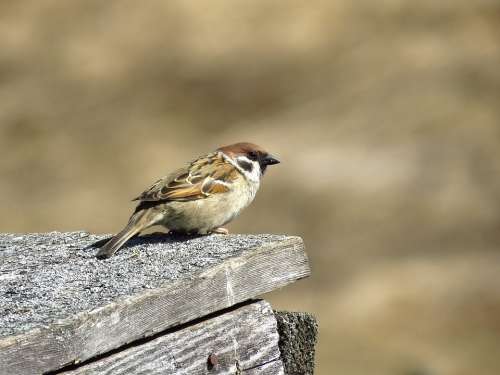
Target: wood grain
{"points": [[89, 333], [245, 339]]}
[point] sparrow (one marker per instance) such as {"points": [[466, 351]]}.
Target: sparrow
{"points": [[201, 197]]}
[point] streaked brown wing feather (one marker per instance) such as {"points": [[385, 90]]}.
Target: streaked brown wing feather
{"points": [[202, 178], [214, 187]]}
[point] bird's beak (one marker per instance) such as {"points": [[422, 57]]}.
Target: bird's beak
{"points": [[270, 160]]}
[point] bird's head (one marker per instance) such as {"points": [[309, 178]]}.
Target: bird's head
{"points": [[249, 157]]}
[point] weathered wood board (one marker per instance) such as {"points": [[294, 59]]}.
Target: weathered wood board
{"points": [[59, 305], [242, 340]]}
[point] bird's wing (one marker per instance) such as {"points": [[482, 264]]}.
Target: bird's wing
{"points": [[204, 177]]}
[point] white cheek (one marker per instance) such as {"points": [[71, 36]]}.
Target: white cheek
{"points": [[256, 173]]}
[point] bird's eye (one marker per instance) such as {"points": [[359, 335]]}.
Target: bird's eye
{"points": [[253, 155]]}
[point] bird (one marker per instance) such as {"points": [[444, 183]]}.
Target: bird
{"points": [[199, 198]]}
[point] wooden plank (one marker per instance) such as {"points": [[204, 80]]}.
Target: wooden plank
{"points": [[189, 278], [245, 339]]}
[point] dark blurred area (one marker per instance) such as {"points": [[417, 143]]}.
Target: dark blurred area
{"points": [[386, 116]]}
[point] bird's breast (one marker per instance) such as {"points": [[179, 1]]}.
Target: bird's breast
{"points": [[203, 215]]}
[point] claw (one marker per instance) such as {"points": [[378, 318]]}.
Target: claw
{"points": [[220, 230]]}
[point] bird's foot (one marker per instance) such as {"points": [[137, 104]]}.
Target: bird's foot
{"points": [[220, 230]]}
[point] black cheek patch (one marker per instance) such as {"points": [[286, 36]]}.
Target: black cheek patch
{"points": [[247, 166]]}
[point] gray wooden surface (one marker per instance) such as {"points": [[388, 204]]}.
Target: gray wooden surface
{"points": [[244, 339], [61, 306]]}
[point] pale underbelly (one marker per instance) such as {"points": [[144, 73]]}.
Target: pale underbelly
{"points": [[204, 215]]}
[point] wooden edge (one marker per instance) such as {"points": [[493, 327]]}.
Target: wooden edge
{"points": [[298, 336], [86, 335]]}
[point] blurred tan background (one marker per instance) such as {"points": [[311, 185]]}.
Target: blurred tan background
{"points": [[386, 115]]}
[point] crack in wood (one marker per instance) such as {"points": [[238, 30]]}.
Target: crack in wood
{"points": [[261, 364]]}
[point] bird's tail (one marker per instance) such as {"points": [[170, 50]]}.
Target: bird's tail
{"points": [[138, 222]]}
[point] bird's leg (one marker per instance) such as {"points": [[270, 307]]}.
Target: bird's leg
{"points": [[220, 230]]}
